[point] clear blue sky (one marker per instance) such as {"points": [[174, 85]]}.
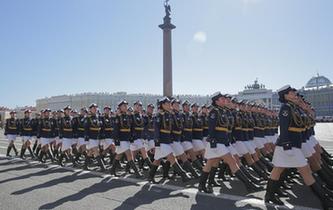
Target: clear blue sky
{"points": [[53, 47]]}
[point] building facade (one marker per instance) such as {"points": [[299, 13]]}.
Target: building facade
{"points": [[102, 99], [319, 91], [258, 93]]}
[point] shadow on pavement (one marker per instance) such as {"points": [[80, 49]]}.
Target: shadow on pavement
{"points": [[147, 195], [103, 186], [65, 179]]}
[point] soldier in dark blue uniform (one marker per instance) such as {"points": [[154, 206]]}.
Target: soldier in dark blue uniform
{"points": [[107, 143], [11, 132], [137, 128], [46, 132], [93, 134], [288, 154], [187, 135], [149, 128], [28, 128], [58, 140], [66, 133], [123, 138], [217, 147], [197, 133], [81, 134], [178, 151], [163, 129]]}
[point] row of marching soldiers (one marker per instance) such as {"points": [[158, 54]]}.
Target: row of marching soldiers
{"points": [[231, 137]]}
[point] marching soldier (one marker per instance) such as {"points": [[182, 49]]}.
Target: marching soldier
{"points": [[163, 129], [137, 128], [93, 134], [177, 127], [66, 133], [108, 141], [217, 147], [11, 132], [81, 134], [187, 135], [46, 133], [149, 128], [197, 133], [123, 139], [288, 153], [58, 142], [27, 131]]}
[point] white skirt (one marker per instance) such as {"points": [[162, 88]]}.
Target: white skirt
{"points": [[187, 145], [26, 138], [198, 145], [232, 150], [106, 143], [293, 158], [123, 147], [162, 151], [217, 152], [177, 148], [149, 144], [250, 147], [58, 140], [259, 142], [307, 149], [93, 143], [137, 145], [45, 141], [75, 141], [240, 148], [81, 142], [313, 141], [11, 137], [66, 144], [205, 141]]}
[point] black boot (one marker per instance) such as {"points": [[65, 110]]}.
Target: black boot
{"points": [[148, 162], [197, 164], [166, 169], [326, 178], [188, 167], [38, 150], [223, 167], [61, 157], [250, 186], [259, 171], [323, 185], [135, 169], [22, 153], [15, 150], [268, 165], [49, 153], [114, 167], [32, 154], [41, 156], [250, 176], [152, 172], [211, 178], [202, 183], [280, 192], [181, 172], [86, 163], [35, 146], [270, 196], [9, 148], [100, 163], [326, 200]]}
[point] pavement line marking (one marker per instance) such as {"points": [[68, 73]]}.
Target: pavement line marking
{"points": [[239, 200]]}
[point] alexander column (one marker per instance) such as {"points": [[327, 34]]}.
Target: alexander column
{"points": [[167, 51]]}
